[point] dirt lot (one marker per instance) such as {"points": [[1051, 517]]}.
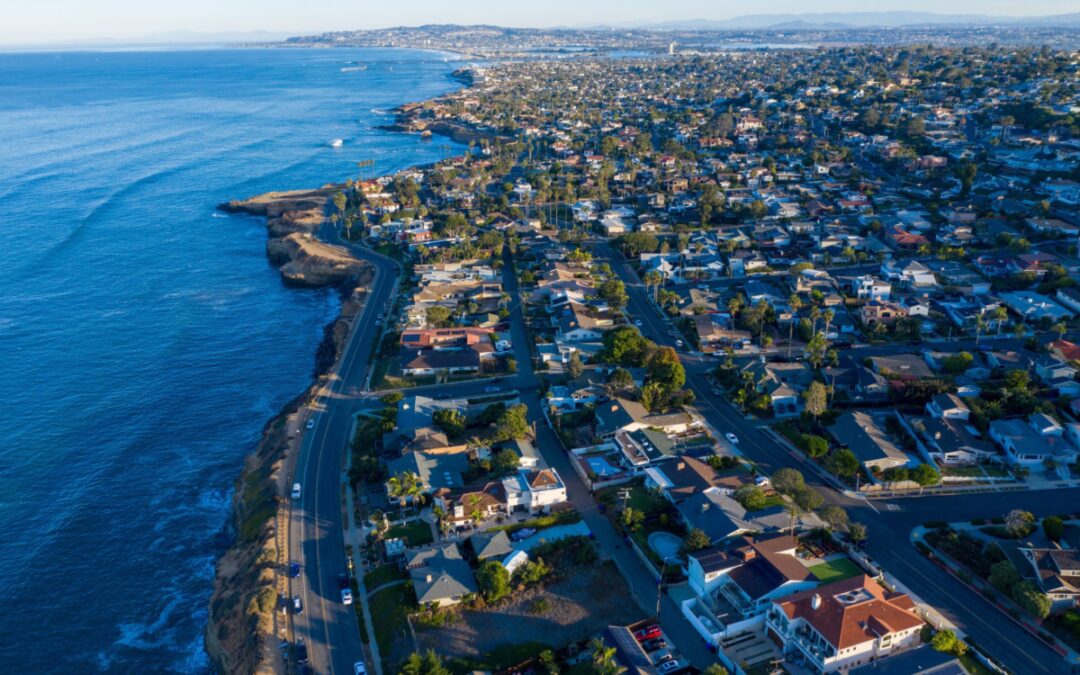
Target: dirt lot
{"points": [[578, 607]]}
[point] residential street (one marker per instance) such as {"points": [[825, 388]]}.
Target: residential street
{"points": [[889, 523]]}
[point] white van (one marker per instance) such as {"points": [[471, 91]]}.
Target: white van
{"points": [[296, 490]]}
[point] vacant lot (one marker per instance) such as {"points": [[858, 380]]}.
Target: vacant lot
{"points": [[577, 607]]}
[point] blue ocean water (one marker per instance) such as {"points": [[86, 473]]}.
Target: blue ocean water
{"points": [[144, 339]]}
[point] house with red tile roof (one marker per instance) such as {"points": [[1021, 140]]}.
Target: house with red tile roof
{"points": [[844, 624]]}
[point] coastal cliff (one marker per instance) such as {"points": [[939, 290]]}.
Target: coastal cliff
{"points": [[292, 219], [241, 635]]}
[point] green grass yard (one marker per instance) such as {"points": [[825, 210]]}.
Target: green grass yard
{"points": [[414, 532], [392, 607], [382, 575], [836, 570]]}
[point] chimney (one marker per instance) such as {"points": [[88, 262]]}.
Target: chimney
{"points": [[681, 465], [815, 602], [614, 407], [428, 579]]}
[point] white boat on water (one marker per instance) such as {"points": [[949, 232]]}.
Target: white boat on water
{"points": [[352, 69], [337, 143]]}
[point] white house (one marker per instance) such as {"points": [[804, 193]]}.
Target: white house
{"points": [[751, 576], [868, 287], [845, 624], [534, 491]]}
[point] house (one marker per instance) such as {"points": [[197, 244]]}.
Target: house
{"points": [[1057, 571], [714, 333], [440, 575], [863, 435], [434, 469], [643, 447], [752, 575], [581, 323], [1033, 306], [687, 476], [948, 406], [534, 491], [433, 361], [953, 442], [883, 312], [868, 287], [490, 545], [476, 502], [901, 367], [1024, 444], [913, 275], [720, 517], [845, 624], [621, 414], [783, 383]]}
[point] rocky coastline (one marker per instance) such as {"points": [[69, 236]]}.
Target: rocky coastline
{"points": [[240, 635]]}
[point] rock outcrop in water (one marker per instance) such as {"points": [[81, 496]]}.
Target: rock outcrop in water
{"points": [[292, 219]]}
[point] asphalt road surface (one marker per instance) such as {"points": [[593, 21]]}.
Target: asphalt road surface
{"points": [[891, 522], [327, 626]]}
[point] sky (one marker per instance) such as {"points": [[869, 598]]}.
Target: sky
{"points": [[41, 21]]}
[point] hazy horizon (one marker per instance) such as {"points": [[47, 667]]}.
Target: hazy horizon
{"points": [[72, 21]]}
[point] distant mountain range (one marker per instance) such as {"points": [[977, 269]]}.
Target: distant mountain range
{"points": [[842, 20]]}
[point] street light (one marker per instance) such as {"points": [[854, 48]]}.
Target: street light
{"points": [[660, 582]]}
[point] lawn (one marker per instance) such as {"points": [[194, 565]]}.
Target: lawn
{"points": [[382, 575], [415, 533], [964, 471], [392, 607], [836, 570], [773, 500], [974, 666]]}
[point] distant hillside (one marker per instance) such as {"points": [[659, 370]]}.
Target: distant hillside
{"points": [[840, 20]]}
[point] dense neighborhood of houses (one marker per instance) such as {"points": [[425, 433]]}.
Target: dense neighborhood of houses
{"points": [[683, 313]]}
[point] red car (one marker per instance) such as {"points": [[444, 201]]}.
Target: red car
{"points": [[647, 633]]}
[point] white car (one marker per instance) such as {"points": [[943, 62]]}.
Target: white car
{"points": [[678, 342], [358, 668], [346, 596], [296, 490], [310, 424], [637, 322], [732, 438]]}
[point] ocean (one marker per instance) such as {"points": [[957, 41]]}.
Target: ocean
{"points": [[144, 338]]}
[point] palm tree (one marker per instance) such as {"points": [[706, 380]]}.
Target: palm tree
{"points": [[440, 519], [815, 314], [1000, 314], [829, 314], [980, 323], [793, 511], [653, 281], [474, 510], [405, 487], [603, 658], [796, 304]]}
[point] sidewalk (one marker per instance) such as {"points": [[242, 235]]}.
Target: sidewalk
{"points": [[355, 538], [1001, 602]]}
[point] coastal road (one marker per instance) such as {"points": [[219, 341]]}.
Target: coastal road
{"points": [[890, 522], [328, 627]]}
